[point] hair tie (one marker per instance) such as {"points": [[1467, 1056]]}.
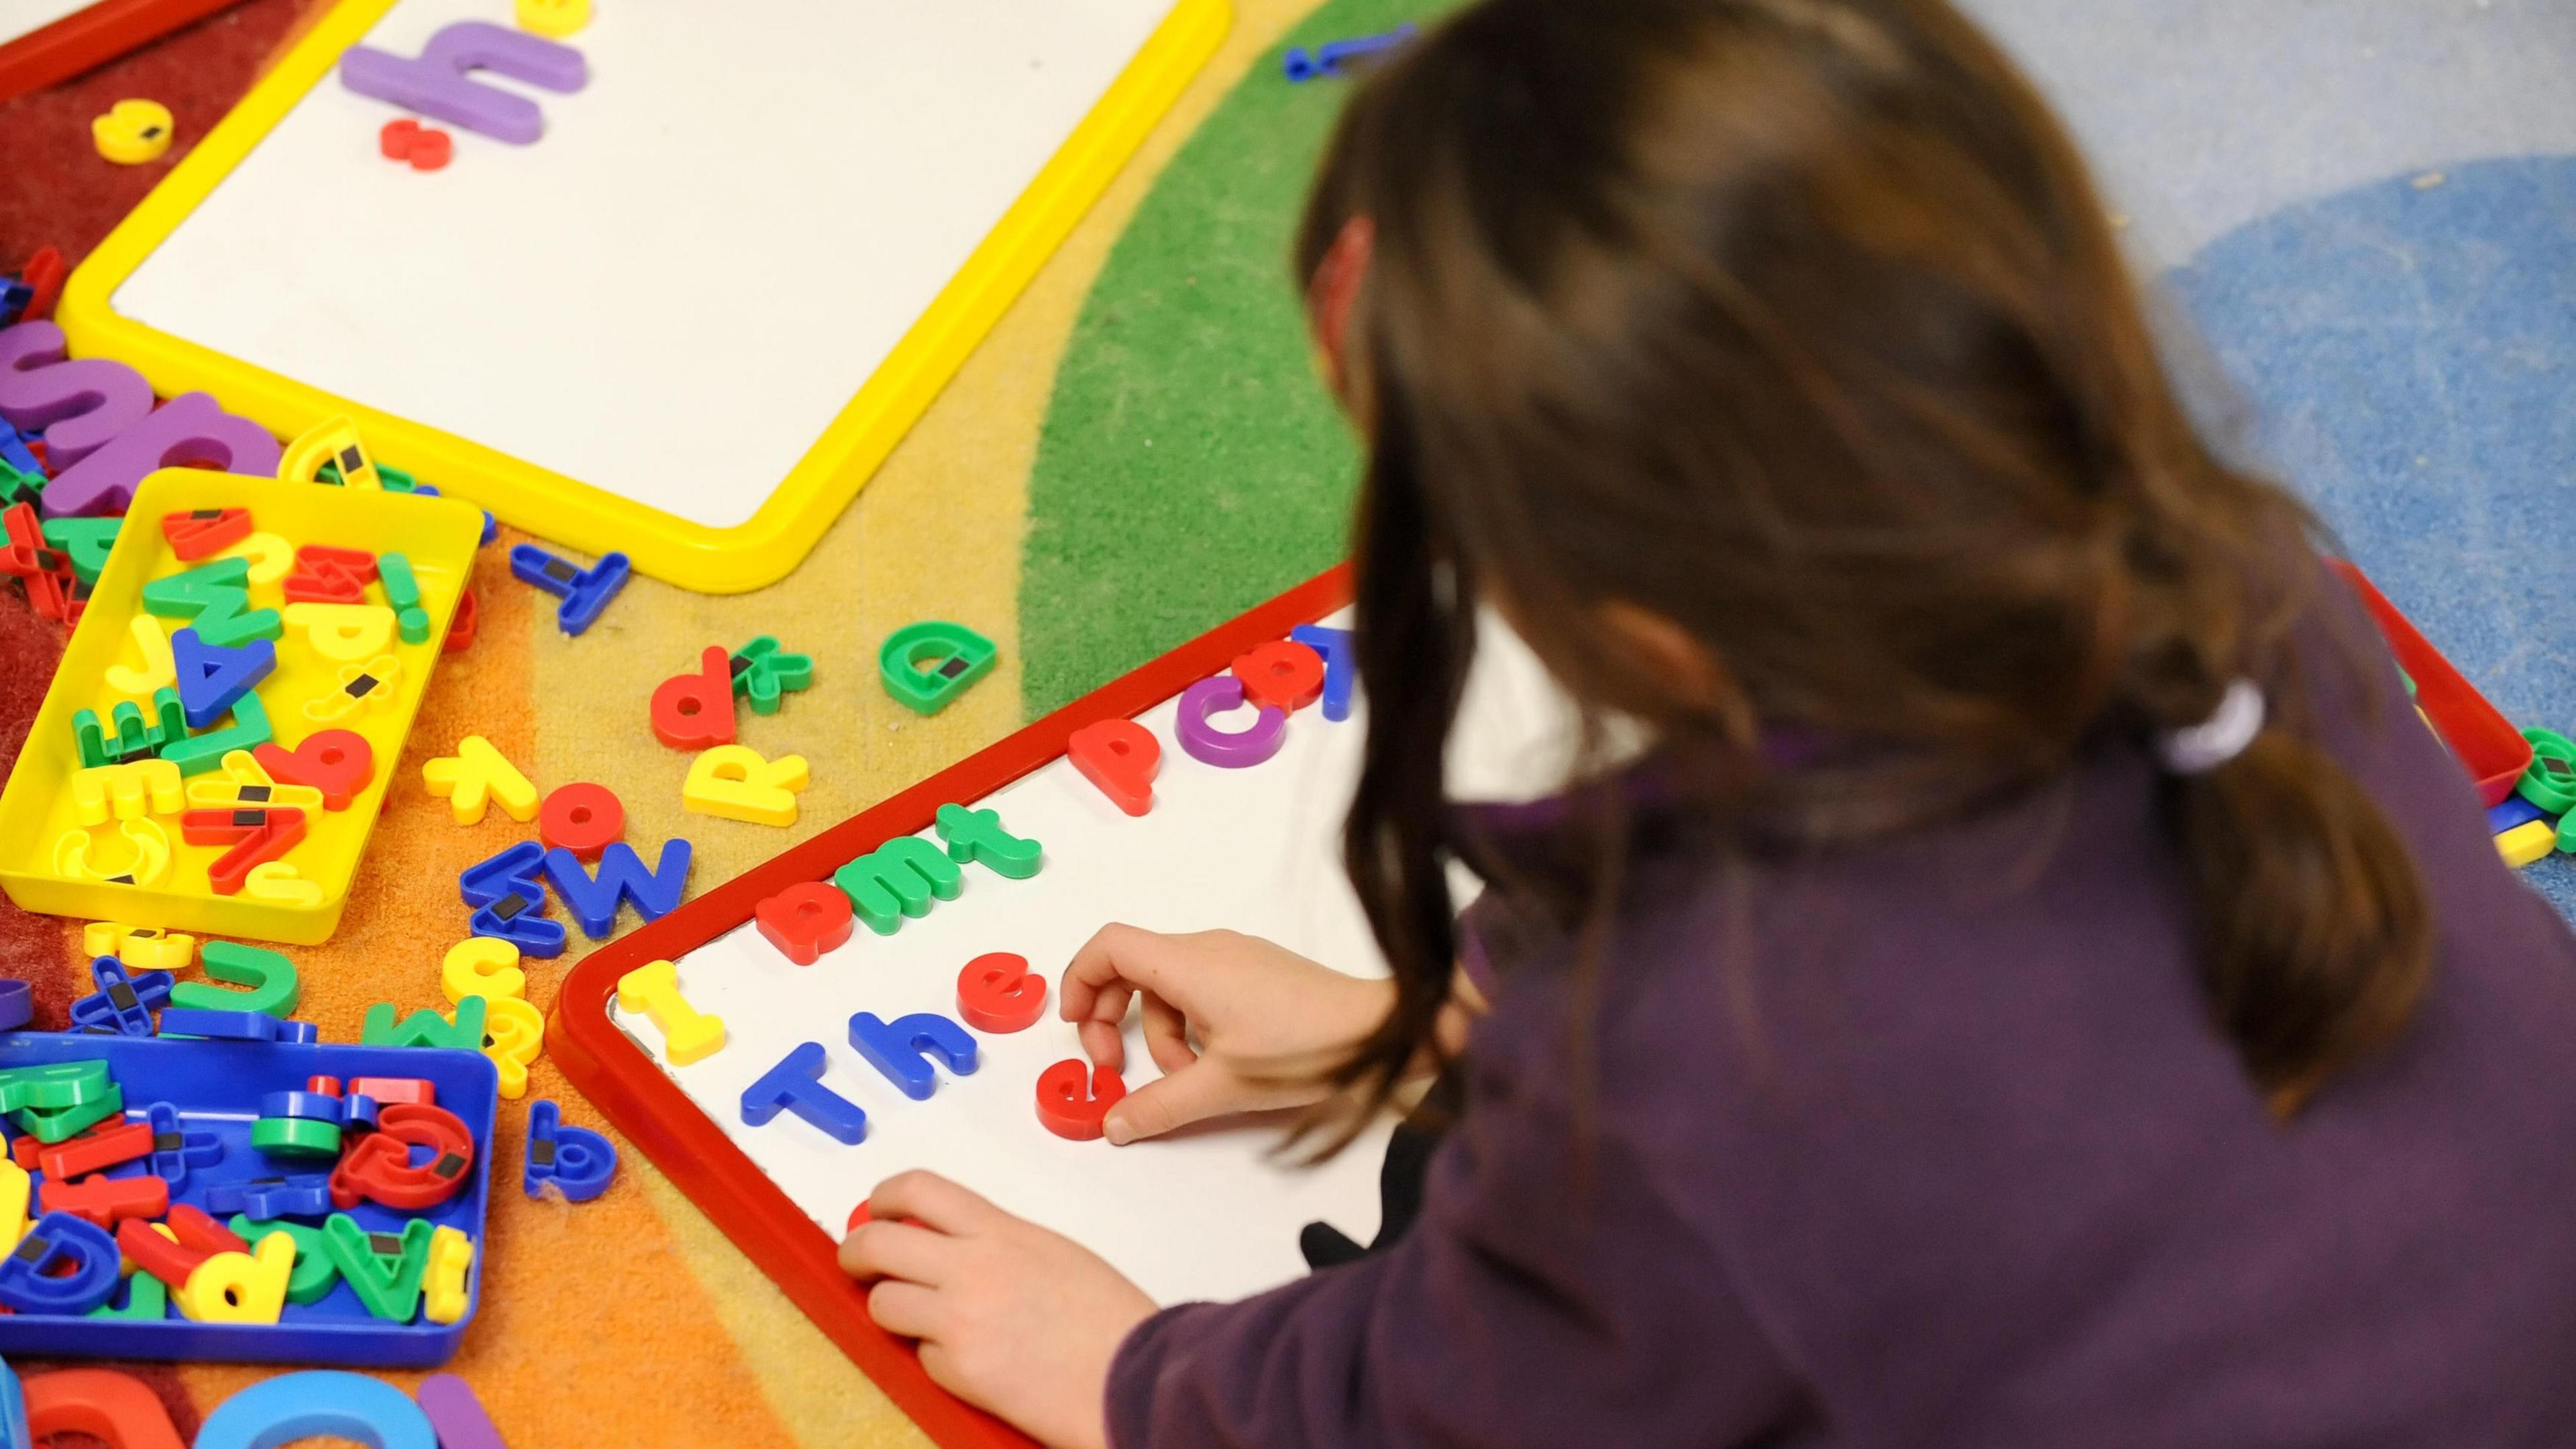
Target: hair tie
{"points": [[2223, 736]]}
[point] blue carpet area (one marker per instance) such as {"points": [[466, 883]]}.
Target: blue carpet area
{"points": [[2411, 354], [2366, 211]]}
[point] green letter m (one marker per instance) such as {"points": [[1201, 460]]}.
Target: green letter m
{"points": [[897, 879]]}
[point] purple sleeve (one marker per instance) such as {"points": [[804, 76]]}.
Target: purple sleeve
{"points": [[1473, 957], [1521, 1310]]}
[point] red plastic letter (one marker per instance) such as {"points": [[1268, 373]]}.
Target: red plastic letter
{"points": [[805, 920], [107, 1201], [1281, 674], [339, 763], [997, 992], [326, 575], [1121, 757], [96, 1151], [114, 1408], [582, 818], [1061, 1105], [693, 711]]}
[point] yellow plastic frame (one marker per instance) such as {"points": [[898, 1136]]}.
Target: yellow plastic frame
{"points": [[710, 560], [438, 535]]}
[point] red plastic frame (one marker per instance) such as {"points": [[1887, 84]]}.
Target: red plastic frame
{"points": [[85, 38], [2481, 738], [633, 1092]]}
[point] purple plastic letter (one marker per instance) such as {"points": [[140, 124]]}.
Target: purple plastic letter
{"points": [[190, 428], [80, 405], [1214, 746], [456, 1414], [440, 83]]}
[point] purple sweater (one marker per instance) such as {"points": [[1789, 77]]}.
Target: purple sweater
{"points": [[1932, 1144]]}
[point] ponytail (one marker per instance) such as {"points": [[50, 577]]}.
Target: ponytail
{"points": [[2316, 937]]}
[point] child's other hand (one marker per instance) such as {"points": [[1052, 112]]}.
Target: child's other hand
{"points": [[1268, 1021], [1011, 1317]]}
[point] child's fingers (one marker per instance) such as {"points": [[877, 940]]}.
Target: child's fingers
{"points": [[1117, 955], [1111, 1004], [905, 1308], [931, 1199], [1102, 1043], [1167, 1034], [1195, 1092], [896, 1250]]}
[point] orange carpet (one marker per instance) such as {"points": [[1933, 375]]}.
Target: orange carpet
{"points": [[629, 1320]]}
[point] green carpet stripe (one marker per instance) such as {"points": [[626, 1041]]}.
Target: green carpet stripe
{"points": [[1190, 466]]}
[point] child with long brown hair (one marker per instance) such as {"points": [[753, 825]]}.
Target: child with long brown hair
{"points": [[2039, 983]]}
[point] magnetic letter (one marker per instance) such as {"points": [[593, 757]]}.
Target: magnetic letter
{"points": [[898, 879], [796, 1085], [805, 920], [1121, 757], [997, 992], [1335, 646], [694, 710], [79, 406], [687, 1033], [439, 82], [188, 429], [977, 835], [1210, 745], [1063, 1106], [902, 1049], [1281, 674]]}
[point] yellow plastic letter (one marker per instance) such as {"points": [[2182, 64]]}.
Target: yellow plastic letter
{"points": [[733, 782], [476, 775], [241, 1287], [688, 1035], [482, 966], [443, 1290]]}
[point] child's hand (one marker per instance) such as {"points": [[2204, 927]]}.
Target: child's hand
{"points": [[1267, 1021], [1011, 1317]]}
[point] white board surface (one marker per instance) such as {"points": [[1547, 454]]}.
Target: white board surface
{"points": [[1211, 1213], [672, 293], [26, 17]]}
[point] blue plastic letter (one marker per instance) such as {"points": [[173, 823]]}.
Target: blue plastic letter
{"points": [[796, 1084], [1335, 646], [316, 1402], [593, 900], [903, 1049]]}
